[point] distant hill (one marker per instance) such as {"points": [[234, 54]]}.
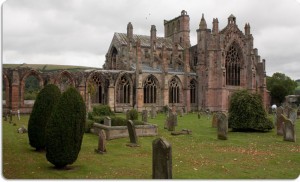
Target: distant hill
{"points": [[48, 67]]}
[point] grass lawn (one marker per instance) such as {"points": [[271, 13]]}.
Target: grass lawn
{"points": [[196, 156]]}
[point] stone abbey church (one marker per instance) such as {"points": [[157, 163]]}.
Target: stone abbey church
{"points": [[145, 70]]}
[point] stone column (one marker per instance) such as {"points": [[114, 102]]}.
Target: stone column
{"points": [[15, 91], [111, 97]]}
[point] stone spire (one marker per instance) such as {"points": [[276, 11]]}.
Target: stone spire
{"points": [[247, 29], [202, 24], [129, 31], [231, 19], [215, 26]]}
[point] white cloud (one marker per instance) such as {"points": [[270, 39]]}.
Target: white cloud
{"points": [[79, 32]]}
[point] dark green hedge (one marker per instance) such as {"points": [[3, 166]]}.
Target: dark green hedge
{"points": [[41, 112], [246, 112], [65, 129], [133, 115], [102, 110]]}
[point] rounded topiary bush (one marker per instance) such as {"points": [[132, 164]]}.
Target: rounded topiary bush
{"points": [[133, 114], [65, 129], [40, 115], [246, 112], [102, 110]]}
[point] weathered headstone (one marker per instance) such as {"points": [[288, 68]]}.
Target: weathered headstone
{"points": [[214, 122], [288, 130], [22, 130], [181, 112], [132, 134], [153, 112], [161, 159], [10, 116], [101, 143], [199, 115], [145, 116], [293, 115], [172, 121], [279, 124], [107, 121], [182, 132], [222, 124], [19, 117]]}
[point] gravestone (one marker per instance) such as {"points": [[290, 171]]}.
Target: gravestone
{"points": [[222, 124], [293, 115], [22, 129], [107, 121], [161, 159], [182, 132], [145, 116], [288, 130], [172, 121], [214, 122], [101, 143], [132, 134], [19, 117], [279, 124], [199, 115], [153, 112], [181, 112], [10, 116]]}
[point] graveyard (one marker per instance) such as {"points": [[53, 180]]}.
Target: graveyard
{"points": [[196, 154]]}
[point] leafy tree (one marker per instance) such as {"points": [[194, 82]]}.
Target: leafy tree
{"points": [[280, 86], [65, 129], [246, 112], [40, 115]]}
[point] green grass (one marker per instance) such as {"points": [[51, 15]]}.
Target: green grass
{"points": [[197, 156]]}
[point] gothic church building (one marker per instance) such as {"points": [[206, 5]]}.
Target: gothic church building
{"points": [[169, 71]]}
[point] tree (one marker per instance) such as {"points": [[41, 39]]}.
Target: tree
{"points": [[246, 112], [280, 86], [40, 115], [65, 129]]}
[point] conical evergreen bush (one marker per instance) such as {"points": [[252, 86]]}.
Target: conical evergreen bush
{"points": [[247, 113], [65, 129], [40, 115]]}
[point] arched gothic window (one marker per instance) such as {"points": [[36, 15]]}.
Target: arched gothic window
{"points": [[123, 92], [150, 90], [233, 66], [174, 91], [193, 91], [114, 59], [99, 96]]}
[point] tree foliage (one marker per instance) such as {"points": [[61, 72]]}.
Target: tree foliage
{"points": [[280, 86], [246, 112], [40, 115], [65, 129]]}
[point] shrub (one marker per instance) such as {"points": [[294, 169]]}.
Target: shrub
{"points": [[246, 112], [133, 114], [40, 115], [65, 129], [102, 110], [88, 125]]}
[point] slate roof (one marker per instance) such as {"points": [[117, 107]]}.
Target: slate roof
{"points": [[145, 41]]}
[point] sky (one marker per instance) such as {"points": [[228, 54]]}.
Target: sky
{"points": [[79, 32]]}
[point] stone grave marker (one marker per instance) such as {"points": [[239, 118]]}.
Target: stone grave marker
{"points": [[161, 159], [107, 121], [199, 115], [101, 143], [222, 124], [10, 116], [22, 129], [279, 124], [293, 115], [214, 122], [132, 134], [288, 130], [153, 112], [145, 116], [181, 112], [172, 121], [19, 117]]}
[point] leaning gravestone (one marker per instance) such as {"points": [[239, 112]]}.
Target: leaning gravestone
{"points": [[161, 159], [101, 143], [279, 124], [145, 116], [107, 121], [222, 124], [132, 134], [214, 122], [288, 130]]}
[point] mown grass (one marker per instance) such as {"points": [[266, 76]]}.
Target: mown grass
{"points": [[198, 156]]}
